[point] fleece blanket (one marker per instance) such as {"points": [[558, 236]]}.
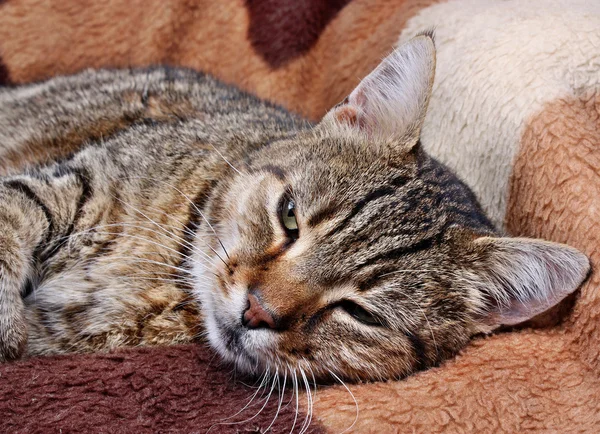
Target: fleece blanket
{"points": [[515, 112]]}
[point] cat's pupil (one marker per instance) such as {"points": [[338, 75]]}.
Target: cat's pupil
{"points": [[288, 218]]}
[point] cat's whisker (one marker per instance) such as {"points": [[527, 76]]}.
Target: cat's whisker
{"points": [[150, 261], [187, 303], [426, 320], [148, 240], [305, 421], [295, 392], [254, 386], [280, 400], [185, 273], [262, 380], [160, 226], [266, 400], [172, 235], [288, 369], [107, 267], [309, 402], [266, 375], [95, 230], [182, 225], [159, 279], [351, 395], [183, 276], [226, 160], [201, 215], [162, 273], [403, 271], [155, 279], [312, 373]]}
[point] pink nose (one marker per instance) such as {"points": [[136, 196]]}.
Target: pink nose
{"points": [[257, 316]]}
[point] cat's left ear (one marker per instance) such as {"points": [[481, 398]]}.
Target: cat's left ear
{"points": [[520, 278], [391, 102]]}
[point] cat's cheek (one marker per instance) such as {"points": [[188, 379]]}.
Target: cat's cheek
{"points": [[213, 335], [204, 281], [230, 236]]}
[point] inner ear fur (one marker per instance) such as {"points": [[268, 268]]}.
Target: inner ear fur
{"points": [[520, 278], [390, 104]]}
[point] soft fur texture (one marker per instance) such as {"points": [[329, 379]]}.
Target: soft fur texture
{"points": [[165, 390], [541, 381]]}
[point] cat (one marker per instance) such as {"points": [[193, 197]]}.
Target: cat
{"points": [[159, 206]]}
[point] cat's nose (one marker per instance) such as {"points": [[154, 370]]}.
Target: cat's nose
{"points": [[256, 316]]}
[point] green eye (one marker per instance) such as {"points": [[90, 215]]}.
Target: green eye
{"points": [[288, 217], [359, 313]]}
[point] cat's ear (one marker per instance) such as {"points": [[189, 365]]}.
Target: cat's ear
{"points": [[391, 102], [521, 278]]}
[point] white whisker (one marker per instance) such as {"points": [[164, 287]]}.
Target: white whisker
{"points": [[148, 240], [226, 160], [296, 392], [154, 222], [201, 215], [260, 387], [353, 398], [280, 401], [309, 403]]}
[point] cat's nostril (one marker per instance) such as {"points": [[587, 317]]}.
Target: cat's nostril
{"points": [[256, 316]]}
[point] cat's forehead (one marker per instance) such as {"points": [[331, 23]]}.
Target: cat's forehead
{"points": [[339, 171]]}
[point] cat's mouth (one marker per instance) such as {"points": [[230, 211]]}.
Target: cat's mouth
{"points": [[234, 343]]}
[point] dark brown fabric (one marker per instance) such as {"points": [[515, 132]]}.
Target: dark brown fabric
{"points": [[4, 79], [145, 390], [281, 30]]}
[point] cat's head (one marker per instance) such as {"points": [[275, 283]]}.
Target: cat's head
{"points": [[350, 251]]}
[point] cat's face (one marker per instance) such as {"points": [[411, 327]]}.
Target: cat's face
{"points": [[348, 261], [349, 251]]}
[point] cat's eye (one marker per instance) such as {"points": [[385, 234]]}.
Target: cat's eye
{"points": [[287, 216], [359, 313]]}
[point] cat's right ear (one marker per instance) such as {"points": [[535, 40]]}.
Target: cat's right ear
{"points": [[391, 102]]}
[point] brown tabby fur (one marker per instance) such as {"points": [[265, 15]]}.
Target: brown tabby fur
{"points": [[156, 205]]}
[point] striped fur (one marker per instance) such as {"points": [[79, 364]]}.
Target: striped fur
{"points": [[142, 207]]}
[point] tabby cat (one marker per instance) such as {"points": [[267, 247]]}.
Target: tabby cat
{"points": [[159, 206]]}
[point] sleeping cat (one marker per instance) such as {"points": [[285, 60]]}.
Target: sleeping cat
{"points": [[160, 206]]}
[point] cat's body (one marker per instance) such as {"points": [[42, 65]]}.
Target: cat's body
{"points": [[158, 205], [139, 145]]}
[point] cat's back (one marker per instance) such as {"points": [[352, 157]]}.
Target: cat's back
{"points": [[48, 121]]}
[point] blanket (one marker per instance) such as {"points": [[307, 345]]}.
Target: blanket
{"points": [[515, 112]]}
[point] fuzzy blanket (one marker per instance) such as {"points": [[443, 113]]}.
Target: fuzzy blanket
{"points": [[515, 111]]}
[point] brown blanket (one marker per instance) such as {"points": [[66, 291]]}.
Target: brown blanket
{"points": [[515, 111], [174, 389]]}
